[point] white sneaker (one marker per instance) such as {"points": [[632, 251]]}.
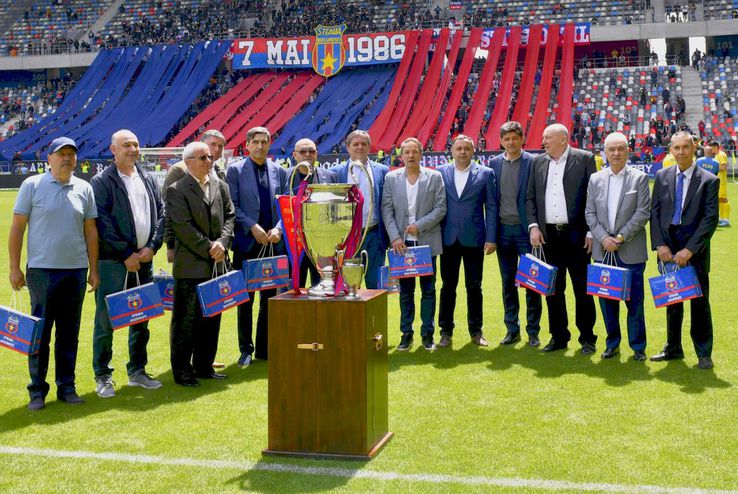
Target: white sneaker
{"points": [[105, 386], [143, 380]]}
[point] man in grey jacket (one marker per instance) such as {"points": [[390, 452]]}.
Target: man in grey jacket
{"points": [[413, 205], [618, 208]]}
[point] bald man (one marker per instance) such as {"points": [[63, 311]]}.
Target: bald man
{"points": [[557, 196], [131, 225]]}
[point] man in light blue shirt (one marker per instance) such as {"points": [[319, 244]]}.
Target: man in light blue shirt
{"points": [[59, 211]]}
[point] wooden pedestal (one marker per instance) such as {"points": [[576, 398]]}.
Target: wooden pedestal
{"points": [[328, 376]]}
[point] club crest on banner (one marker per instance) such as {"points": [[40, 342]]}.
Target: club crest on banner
{"points": [[533, 271], [329, 54], [12, 325], [410, 258], [671, 282], [605, 277], [134, 301], [224, 288]]}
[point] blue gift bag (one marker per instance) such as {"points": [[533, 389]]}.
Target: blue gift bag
{"points": [[607, 280], [674, 285], [222, 293], [267, 273], [417, 261], [165, 283], [535, 274], [134, 305], [386, 282], [18, 331]]}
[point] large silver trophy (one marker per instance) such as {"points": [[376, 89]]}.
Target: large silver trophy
{"points": [[328, 216]]}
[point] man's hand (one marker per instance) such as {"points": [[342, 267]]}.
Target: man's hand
{"points": [[412, 230], [536, 237], [170, 255], [588, 244], [664, 253], [682, 257], [146, 255], [17, 279], [217, 251], [133, 263], [398, 245], [610, 244], [489, 248], [259, 234], [274, 235], [93, 280]]}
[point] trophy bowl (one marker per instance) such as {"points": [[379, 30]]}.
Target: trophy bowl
{"points": [[353, 271]]}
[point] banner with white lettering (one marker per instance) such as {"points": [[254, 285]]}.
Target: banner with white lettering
{"points": [[581, 35]]}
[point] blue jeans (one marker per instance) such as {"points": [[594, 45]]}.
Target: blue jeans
{"points": [[57, 296], [112, 279], [427, 302], [636, 319], [373, 247], [513, 243]]}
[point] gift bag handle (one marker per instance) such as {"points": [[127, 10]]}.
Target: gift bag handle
{"points": [[138, 280], [16, 300], [263, 251], [226, 267], [663, 267], [538, 252]]}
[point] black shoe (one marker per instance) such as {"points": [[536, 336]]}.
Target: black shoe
{"points": [[210, 375], [705, 363], [428, 343], [609, 353], [554, 345], [405, 342], [510, 339], [534, 341], [662, 356], [187, 381], [588, 349], [639, 356], [36, 404], [72, 399]]}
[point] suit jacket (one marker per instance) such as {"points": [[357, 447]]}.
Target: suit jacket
{"points": [[378, 171], [198, 223], [431, 207], [472, 218], [115, 225], [699, 214], [320, 176], [633, 211], [526, 160], [580, 165], [245, 195]]}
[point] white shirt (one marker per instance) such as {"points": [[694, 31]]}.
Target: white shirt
{"points": [[687, 178], [460, 179], [411, 190], [556, 212], [140, 207], [366, 184], [614, 189]]}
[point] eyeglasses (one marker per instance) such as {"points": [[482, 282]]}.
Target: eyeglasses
{"points": [[307, 151], [202, 158]]}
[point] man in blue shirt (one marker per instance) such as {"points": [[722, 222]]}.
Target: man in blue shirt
{"points": [[59, 211], [708, 161]]}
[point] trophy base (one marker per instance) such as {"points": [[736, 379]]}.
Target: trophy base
{"points": [[326, 287]]}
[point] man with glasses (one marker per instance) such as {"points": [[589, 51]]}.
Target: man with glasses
{"points": [[307, 152], [254, 183], [202, 216], [131, 225]]}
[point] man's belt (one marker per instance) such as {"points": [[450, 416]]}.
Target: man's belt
{"points": [[557, 226]]}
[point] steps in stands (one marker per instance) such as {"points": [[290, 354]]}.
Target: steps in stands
{"points": [[692, 94]]}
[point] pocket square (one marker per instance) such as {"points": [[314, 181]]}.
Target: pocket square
{"points": [[631, 192]]}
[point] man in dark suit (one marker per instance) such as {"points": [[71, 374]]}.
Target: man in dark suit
{"points": [[201, 212], [253, 185], [469, 231], [512, 170], [557, 195], [358, 144], [684, 216], [305, 155], [130, 222]]}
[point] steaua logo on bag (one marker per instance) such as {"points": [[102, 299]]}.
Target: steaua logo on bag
{"points": [[266, 269], [671, 282], [134, 301], [410, 258], [534, 269], [605, 277], [12, 325], [224, 288]]}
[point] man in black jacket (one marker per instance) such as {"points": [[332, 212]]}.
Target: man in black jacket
{"points": [[131, 226]]}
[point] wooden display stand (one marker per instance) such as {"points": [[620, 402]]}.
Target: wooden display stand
{"points": [[328, 376]]}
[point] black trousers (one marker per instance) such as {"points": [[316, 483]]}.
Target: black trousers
{"points": [[193, 337], [451, 258], [565, 249], [246, 344]]}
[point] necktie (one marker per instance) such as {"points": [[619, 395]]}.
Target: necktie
{"points": [[677, 218]]}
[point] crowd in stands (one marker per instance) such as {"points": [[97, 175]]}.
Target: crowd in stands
{"points": [[719, 77]]}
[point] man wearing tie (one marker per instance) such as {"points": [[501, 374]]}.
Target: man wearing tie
{"points": [[469, 233], [254, 183], [557, 195], [358, 144], [684, 216], [307, 152], [512, 170], [618, 208]]}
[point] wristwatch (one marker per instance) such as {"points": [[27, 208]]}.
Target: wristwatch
{"points": [[620, 238]]}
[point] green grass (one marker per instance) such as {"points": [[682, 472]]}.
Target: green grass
{"points": [[467, 412]]}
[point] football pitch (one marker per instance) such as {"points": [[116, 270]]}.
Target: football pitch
{"points": [[466, 419]]}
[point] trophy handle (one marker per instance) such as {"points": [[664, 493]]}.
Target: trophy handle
{"points": [[310, 167], [371, 196], [365, 258]]}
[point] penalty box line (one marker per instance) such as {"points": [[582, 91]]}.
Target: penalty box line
{"points": [[352, 473]]}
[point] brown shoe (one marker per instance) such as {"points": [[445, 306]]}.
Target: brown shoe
{"points": [[479, 340], [444, 342]]}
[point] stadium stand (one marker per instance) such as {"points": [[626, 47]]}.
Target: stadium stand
{"points": [[21, 106], [523, 12], [719, 90]]}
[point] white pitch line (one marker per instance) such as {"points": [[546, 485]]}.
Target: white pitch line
{"points": [[350, 473]]}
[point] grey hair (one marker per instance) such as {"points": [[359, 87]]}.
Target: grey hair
{"points": [[212, 133], [119, 133], [615, 137], [558, 128], [190, 149]]}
